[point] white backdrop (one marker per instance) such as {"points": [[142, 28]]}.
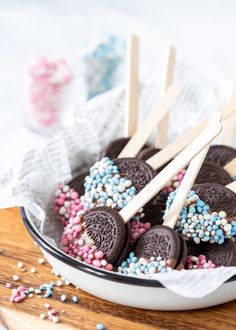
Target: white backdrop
{"points": [[203, 31]]}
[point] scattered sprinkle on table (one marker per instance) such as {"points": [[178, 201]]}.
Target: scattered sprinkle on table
{"points": [[8, 285], [41, 261], [15, 277], [63, 297], [42, 316], [67, 282], [75, 299], [59, 283], [20, 264], [33, 270], [100, 326]]}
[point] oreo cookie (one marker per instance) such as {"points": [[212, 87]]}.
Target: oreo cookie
{"points": [[218, 197], [219, 254], [159, 241], [136, 170], [78, 183], [127, 246], [220, 154], [213, 173], [105, 227], [182, 254], [114, 148]]}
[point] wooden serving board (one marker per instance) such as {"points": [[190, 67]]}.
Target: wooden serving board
{"points": [[17, 245]]}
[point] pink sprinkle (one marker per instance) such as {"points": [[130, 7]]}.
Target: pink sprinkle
{"points": [[47, 306], [96, 263], [109, 267], [99, 255], [8, 285]]}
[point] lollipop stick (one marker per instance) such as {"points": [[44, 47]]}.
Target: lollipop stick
{"points": [[232, 186], [132, 88], [194, 167], [169, 152], [144, 130], [228, 132], [231, 167], [153, 187], [162, 132]]}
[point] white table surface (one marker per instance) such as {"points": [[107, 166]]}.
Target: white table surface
{"points": [[203, 31]]}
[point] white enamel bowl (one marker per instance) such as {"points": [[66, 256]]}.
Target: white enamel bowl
{"points": [[121, 289]]}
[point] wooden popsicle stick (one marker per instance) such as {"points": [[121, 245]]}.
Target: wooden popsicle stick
{"points": [[162, 132], [231, 167], [180, 198], [232, 186], [144, 130], [229, 126], [169, 152], [132, 88], [153, 187]]}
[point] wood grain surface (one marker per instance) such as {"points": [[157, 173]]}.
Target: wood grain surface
{"points": [[17, 246]]}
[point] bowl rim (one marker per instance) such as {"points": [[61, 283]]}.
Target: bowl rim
{"points": [[82, 266]]}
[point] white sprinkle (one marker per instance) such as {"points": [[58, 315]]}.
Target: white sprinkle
{"points": [[31, 289], [109, 202], [207, 216], [162, 262], [58, 192], [42, 316], [20, 264], [103, 262], [228, 227], [49, 313], [41, 261], [31, 295], [15, 278], [169, 269], [37, 291], [152, 258], [67, 282], [62, 210], [222, 214], [152, 270], [59, 283], [33, 270], [55, 319], [223, 222], [66, 189], [197, 240]]}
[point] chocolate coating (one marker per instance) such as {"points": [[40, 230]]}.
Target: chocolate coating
{"points": [[78, 183], [220, 154], [114, 148], [218, 197], [147, 153], [219, 254], [153, 213], [106, 228], [159, 241], [139, 172], [213, 173]]}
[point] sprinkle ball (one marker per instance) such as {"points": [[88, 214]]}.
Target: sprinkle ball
{"points": [[197, 222], [139, 266], [67, 203]]}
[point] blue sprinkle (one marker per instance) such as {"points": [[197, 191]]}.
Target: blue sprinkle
{"points": [[75, 299], [100, 326]]}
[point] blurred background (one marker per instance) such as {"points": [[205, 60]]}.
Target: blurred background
{"points": [[50, 49]]}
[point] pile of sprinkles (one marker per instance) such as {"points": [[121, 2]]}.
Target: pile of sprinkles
{"points": [[140, 266], [200, 262], [67, 203], [197, 222]]}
